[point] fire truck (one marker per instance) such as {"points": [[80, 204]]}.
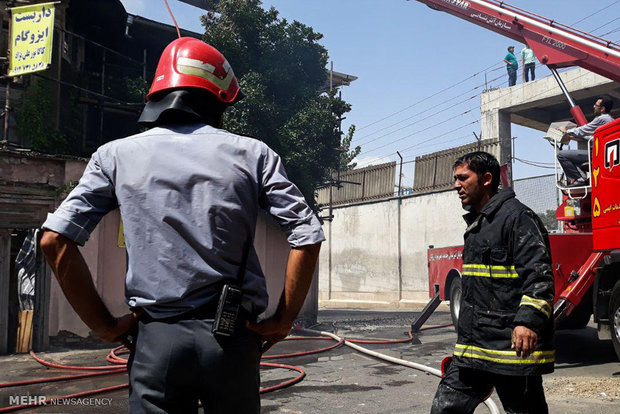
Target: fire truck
{"points": [[586, 255]]}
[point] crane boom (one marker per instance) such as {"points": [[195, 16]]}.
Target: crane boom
{"points": [[554, 44]]}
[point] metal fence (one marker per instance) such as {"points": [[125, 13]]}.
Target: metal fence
{"points": [[369, 183], [434, 171], [538, 193]]}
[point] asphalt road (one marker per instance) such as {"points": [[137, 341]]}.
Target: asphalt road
{"points": [[343, 380], [587, 376]]}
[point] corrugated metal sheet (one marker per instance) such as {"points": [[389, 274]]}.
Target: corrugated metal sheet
{"points": [[369, 183], [434, 171]]}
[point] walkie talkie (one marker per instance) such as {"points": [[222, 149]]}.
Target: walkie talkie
{"points": [[227, 311], [230, 300]]}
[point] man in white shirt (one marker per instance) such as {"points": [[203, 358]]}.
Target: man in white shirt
{"points": [[528, 61]]}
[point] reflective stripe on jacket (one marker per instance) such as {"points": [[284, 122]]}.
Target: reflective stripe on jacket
{"points": [[507, 282]]}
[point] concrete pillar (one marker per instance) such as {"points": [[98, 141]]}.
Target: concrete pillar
{"points": [[5, 269], [495, 124]]}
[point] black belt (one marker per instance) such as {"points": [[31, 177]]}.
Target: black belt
{"points": [[206, 311]]}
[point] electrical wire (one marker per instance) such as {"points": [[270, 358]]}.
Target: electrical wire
{"points": [[614, 30], [426, 140], [596, 12], [603, 25], [431, 108], [500, 96], [173, 19], [425, 99], [434, 108], [417, 122], [364, 152], [534, 163]]}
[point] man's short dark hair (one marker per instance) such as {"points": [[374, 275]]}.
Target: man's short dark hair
{"points": [[510, 47], [607, 103], [481, 163]]}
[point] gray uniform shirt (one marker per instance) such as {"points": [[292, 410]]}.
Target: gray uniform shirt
{"points": [[587, 130], [189, 199]]}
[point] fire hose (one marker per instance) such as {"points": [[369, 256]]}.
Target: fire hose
{"points": [[120, 366]]}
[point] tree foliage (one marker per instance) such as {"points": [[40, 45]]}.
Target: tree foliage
{"points": [[281, 68], [348, 154], [35, 120], [549, 219]]}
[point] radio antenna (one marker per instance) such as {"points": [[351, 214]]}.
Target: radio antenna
{"points": [[173, 19]]}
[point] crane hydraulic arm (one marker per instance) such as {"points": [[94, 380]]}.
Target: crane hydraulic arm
{"points": [[554, 44]]}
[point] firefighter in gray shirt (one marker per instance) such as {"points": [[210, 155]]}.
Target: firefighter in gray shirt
{"points": [[189, 194], [572, 160]]}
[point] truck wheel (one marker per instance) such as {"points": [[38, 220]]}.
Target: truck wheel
{"points": [[614, 317], [456, 294], [580, 316]]}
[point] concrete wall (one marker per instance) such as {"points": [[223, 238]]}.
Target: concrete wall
{"points": [[375, 253], [106, 262]]}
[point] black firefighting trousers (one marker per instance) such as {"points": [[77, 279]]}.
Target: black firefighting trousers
{"points": [[463, 389]]}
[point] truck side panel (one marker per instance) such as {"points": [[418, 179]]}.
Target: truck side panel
{"points": [[568, 252], [605, 185], [440, 262]]}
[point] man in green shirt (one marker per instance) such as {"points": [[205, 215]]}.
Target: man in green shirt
{"points": [[511, 66]]}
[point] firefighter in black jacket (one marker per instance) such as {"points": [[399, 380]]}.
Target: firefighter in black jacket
{"points": [[505, 328]]}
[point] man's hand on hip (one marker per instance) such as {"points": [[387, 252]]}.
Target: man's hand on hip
{"points": [[121, 327], [271, 331], [524, 341], [299, 270]]}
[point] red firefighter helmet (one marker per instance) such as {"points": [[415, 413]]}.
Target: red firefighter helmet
{"points": [[191, 63]]}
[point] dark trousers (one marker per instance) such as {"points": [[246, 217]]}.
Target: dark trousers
{"points": [[529, 68], [175, 364], [512, 75], [571, 161], [463, 389]]}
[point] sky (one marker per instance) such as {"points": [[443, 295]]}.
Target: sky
{"points": [[420, 72]]}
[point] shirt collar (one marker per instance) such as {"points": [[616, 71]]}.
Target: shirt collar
{"points": [[472, 218]]}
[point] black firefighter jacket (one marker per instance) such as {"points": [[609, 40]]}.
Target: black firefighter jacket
{"points": [[507, 282]]}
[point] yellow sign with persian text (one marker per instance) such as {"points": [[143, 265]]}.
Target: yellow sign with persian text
{"points": [[32, 29]]}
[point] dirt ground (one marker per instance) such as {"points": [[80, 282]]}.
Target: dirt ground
{"points": [[584, 387]]}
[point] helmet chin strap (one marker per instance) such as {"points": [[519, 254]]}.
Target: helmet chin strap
{"points": [[180, 106]]}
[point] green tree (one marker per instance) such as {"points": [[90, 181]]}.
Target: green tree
{"points": [[549, 220], [281, 68], [347, 154], [35, 120]]}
